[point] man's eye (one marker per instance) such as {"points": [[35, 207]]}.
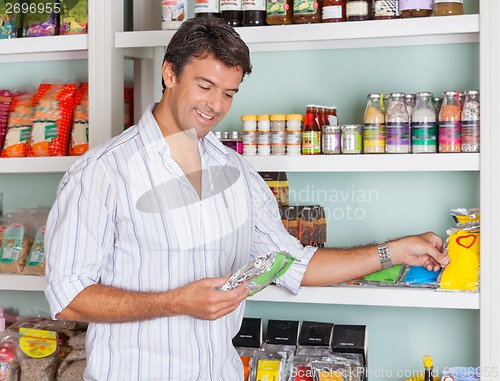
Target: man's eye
{"points": [[204, 87], [229, 95]]}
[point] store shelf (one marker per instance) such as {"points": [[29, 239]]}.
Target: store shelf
{"points": [[368, 163], [372, 296], [22, 282], [50, 48], [346, 35], [36, 164]]}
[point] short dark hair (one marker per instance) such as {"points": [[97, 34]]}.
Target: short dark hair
{"points": [[202, 36]]}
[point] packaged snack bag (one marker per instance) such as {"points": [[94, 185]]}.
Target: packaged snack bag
{"points": [[79, 143], [462, 245], [52, 120], [19, 125], [387, 277], [9, 18], [74, 16], [35, 263], [41, 17], [5, 101], [14, 249]]}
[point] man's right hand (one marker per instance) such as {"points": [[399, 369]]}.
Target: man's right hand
{"points": [[202, 300]]}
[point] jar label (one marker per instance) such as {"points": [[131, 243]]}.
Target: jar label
{"points": [[423, 134], [357, 8], [374, 135], [415, 4], [385, 8], [470, 132], [449, 133], [331, 143], [277, 7], [174, 10], [398, 134], [332, 12], [351, 143], [311, 142], [230, 5], [253, 5], [206, 6], [301, 7]]}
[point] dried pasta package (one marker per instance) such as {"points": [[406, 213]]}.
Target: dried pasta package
{"points": [[419, 276], [14, 249], [79, 143], [52, 120], [19, 125], [74, 16], [389, 277], [35, 263], [41, 17], [5, 101], [462, 246], [38, 354]]}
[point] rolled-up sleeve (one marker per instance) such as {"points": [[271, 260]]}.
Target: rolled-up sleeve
{"points": [[271, 234], [79, 233]]}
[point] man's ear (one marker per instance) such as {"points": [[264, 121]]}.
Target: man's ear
{"points": [[167, 73]]}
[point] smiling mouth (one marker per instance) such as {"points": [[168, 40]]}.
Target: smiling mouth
{"points": [[204, 116]]}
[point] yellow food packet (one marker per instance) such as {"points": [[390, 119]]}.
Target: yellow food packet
{"points": [[462, 274]]}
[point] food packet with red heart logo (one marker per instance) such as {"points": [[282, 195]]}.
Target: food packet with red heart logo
{"points": [[462, 246]]}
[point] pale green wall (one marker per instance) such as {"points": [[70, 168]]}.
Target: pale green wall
{"points": [[405, 203]]}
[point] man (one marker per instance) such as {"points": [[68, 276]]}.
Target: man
{"points": [[146, 227]]}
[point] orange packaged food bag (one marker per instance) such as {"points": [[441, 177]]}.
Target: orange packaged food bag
{"points": [[19, 125], [79, 143], [52, 120]]}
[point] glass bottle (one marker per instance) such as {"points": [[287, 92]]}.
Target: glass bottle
{"points": [[470, 122], [436, 103], [398, 125], [374, 125], [331, 113], [415, 8], [311, 133], [358, 10], [206, 8], [232, 12], [333, 11], [254, 12], [449, 123], [306, 12], [385, 9], [409, 103], [279, 12], [448, 7], [423, 125]]}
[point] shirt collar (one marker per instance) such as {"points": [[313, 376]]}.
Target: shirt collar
{"points": [[210, 147]]}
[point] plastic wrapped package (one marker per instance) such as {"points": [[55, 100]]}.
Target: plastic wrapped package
{"points": [[268, 366], [52, 120], [15, 248], [41, 17], [419, 276], [74, 16], [5, 101], [246, 356], [260, 272], [79, 143], [19, 125], [35, 262], [9, 19], [37, 354], [389, 277]]}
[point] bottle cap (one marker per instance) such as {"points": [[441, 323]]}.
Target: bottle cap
{"points": [[248, 117]]}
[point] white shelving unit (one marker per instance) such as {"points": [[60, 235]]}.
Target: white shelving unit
{"points": [[12, 282], [36, 164]]}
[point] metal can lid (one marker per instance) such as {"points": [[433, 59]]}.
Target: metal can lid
{"points": [[351, 128], [331, 129]]}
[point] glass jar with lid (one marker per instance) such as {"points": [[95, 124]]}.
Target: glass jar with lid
{"points": [[357, 10], [333, 11], [278, 122], [249, 123], [306, 11], [398, 125], [330, 140], [415, 8], [374, 125], [385, 9], [293, 122], [263, 122], [448, 7], [351, 139], [423, 125], [470, 122], [279, 12], [449, 123]]}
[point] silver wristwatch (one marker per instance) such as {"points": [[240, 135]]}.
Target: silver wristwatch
{"points": [[383, 254]]}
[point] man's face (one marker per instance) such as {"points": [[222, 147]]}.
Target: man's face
{"points": [[201, 96]]}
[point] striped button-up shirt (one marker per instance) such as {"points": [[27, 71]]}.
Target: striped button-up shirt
{"points": [[126, 216]]}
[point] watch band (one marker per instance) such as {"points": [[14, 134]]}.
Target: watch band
{"points": [[384, 256]]}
